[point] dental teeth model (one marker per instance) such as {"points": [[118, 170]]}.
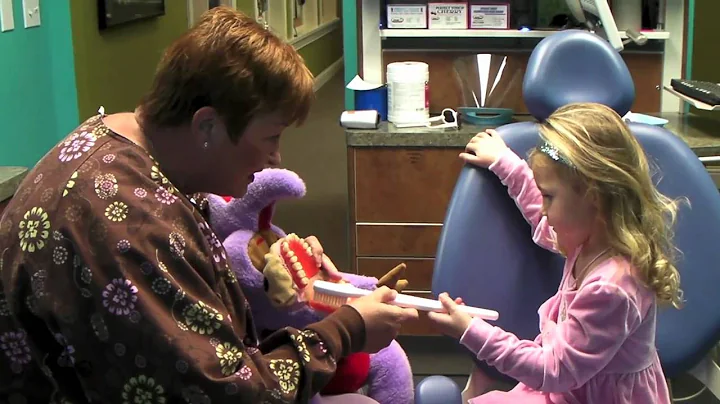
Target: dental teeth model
{"points": [[299, 260]]}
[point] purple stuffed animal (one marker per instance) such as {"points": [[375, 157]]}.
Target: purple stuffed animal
{"points": [[244, 227]]}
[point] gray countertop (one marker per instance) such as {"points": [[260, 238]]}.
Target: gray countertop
{"points": [[10, 179], [702, 134]]}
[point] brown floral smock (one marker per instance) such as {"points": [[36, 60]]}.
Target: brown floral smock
{"points": [[115, 290]]}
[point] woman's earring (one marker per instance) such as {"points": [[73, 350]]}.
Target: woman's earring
{"points": [[205, 145]]}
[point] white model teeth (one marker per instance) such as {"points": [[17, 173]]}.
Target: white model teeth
{"points": [[304, 281], [301, 273], [285, 247], [297, 266], [293, 259], [309, 251]]}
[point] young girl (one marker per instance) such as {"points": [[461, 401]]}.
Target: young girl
{"points": [[587, 194]]}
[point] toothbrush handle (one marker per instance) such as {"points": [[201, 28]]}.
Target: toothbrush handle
{"points": [[435, 305]]}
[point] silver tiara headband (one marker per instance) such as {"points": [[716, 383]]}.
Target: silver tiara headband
{"points": [[551, 151]]}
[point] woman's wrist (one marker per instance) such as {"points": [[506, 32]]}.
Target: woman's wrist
{"points": [[343, 332]]}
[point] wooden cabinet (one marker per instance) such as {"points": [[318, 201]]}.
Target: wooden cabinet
{"points": [[398, 199]]}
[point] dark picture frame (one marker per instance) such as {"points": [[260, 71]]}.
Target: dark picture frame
{"points": [[112, 13]]}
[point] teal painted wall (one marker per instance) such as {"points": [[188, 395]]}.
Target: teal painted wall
{"points": [[38, 97], [350, 47]]}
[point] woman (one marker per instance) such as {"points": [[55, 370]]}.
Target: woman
{"points": [[114, 287]]}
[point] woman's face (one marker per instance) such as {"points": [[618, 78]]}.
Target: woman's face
{"points": [[230, 166], [257, 148]]}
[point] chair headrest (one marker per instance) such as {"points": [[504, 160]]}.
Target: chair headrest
{"points": [[576, 66]]}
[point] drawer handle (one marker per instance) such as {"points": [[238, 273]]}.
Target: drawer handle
{"points": [[415, 157]]}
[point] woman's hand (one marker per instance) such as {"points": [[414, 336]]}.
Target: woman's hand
{"points": [[453, 322], [484, 149], [382, 320]]}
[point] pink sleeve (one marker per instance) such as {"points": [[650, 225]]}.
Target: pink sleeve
{"points": [[599, 320], [517, 176]]}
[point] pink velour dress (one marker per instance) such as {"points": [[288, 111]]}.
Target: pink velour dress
{"points": [[596, 342]]}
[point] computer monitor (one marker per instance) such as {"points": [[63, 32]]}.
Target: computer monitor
{"points": [[597, 12]]}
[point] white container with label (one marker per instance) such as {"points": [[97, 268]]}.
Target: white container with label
{"points": [[408, 92], [448, 15], [408, 16], [490, 16]]}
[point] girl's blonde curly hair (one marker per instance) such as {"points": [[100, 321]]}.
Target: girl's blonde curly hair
{"points": [[607, 160]]}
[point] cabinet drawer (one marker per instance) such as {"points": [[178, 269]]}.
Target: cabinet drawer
{"points": [[397, 240], [422, 325], [404, 184], [418, 272]]}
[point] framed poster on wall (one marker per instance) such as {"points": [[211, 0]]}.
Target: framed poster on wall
{"points": [[119, 12]]}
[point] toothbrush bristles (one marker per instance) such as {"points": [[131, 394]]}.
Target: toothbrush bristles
{"points": [[330, 300]]}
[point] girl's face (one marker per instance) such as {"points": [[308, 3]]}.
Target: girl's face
{"points": [[569, 210]]}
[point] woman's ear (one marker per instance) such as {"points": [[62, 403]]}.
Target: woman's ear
{"points": [[208, 126]]}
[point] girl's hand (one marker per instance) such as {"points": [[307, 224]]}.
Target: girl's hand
{"points": [[454, 322], [484, 149]]}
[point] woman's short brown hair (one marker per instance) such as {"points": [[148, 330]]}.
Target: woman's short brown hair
{"points": [[231, 63]]}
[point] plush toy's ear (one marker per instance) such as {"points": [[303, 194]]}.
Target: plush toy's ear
{"points": [[269, 186]]}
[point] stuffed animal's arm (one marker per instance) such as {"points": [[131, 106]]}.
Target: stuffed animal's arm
{"points": [[360, 281], [393, 279]]}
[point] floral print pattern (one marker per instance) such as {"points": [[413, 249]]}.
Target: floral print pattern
{"points": [[123, 246], [201, 318], [245, 372], [161, 286], [106, 186], [70, 184], [14, 345], [164, 196], [177, 244], [4, 307], [229, 356], [76, 145], [100, 131], [60, 255], [161, 179], [140, 193], [288, 373], [112, 258], [34, 229], [116, 212], [119, 297], [143, 390], [301, 347]]}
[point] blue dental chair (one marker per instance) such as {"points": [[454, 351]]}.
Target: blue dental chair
{"points": [[486, 255]]}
